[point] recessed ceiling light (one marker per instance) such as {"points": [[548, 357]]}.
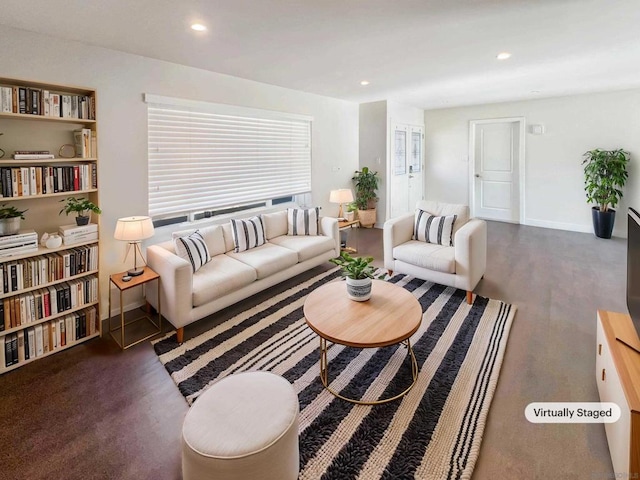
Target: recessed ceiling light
{"points": [[535, 91], [198, 27], [364, 83], [503, 55]]}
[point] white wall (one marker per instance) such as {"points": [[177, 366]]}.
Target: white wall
{"points": [[121, 79], [554, 180]]}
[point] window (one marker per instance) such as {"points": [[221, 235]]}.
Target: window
{"points": [[205, 158]]}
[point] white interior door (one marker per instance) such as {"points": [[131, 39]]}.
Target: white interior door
{"points": [[497, 151], [416, 166], [399, 174]]}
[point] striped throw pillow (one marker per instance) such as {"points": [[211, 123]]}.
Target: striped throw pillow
{"points": [[303, 221], [193, 249], [431, 229], [247, 233]]}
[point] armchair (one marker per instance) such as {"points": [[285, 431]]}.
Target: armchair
{"points": [[461, 265]]}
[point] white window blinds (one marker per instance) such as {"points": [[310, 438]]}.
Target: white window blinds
{"points": [[204, 156]]}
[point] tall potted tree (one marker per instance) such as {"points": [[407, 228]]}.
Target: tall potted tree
{"points": [[605, 173], [366, 183]]}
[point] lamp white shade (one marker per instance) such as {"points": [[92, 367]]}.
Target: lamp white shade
{"points": [[342, 195], [133, 229]]}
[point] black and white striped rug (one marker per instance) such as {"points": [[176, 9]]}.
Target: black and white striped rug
{"points": [[434, 432]]}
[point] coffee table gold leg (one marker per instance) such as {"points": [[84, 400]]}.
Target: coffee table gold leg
{"points": [[324, 376]]}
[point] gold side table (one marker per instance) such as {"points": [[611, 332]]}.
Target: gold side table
{"points": [[141, 280], [348, 229]]}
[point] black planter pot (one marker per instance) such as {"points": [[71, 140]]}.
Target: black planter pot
{"points": [[603, 222], [82, 220]]}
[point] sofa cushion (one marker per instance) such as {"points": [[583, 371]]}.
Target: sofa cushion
{"points": [[275, 224], [193, 249], [427, 255], [436, 208], [212, 236], [305, 246], [222, 275], [432, 229], [247, 233], [267, 259], [303, 221]]}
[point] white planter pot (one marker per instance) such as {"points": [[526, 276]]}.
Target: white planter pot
{"points": [[350, 216], [359, 290]]}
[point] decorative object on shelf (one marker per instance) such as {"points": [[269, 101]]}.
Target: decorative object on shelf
{"points": [[67, 150], [350, 215], [10, 220], [82, 206], [134, 230], [366, 183], [51, 240], [2, 152], [340, 196], [605, 173], [358, 272]]}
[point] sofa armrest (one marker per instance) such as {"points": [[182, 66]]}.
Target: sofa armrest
{"points": [[470, 243], [177, 284], [396, 231], [329, 228]]}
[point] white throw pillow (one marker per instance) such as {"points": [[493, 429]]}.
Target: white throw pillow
{"points": [[432, 229], [247, 233], [193, 249], [303, 221]]}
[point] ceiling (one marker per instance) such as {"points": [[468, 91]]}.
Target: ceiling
{"points": [[425, 53]]}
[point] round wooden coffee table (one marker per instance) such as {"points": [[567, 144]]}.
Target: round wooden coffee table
{"points": [[389, 317]]}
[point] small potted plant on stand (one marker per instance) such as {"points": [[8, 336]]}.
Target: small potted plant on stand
{"points": [[358, 272], [366, 183], [605, 173], [350, 215], [82, 206], [10, 220]]}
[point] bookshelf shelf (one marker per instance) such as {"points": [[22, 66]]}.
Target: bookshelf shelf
{"points": [[30, 123], [48, 195]]}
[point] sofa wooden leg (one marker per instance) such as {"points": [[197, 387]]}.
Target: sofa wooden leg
{"points": [[390, 272], [469, 297], [180, 334]]}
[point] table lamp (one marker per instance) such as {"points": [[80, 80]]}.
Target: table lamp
{"points": [[134, 230], [342, 195]]}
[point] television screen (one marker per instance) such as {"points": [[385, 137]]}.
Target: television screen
{"points": [[633, 267]]}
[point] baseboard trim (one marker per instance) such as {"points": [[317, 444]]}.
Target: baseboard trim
{"points": [[572, 227]]}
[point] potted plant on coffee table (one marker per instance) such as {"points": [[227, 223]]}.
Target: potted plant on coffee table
{"points": [[82, 206], [366, 183], [10, 220], [605, 173], [358, 272]]}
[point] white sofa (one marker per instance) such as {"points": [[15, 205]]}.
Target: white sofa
{"points": [[230, 277], [460, 266]]}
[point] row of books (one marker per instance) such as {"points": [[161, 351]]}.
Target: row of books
{"points": [[31, 307], [25, 241], [86, 143], [36, 101], [42, 269], [42, 180], [47, 337]]}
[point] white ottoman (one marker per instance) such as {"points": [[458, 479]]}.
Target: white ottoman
{"points": [[243, 427]]}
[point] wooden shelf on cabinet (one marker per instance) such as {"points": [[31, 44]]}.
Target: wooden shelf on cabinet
{"points": [[48, 133]]}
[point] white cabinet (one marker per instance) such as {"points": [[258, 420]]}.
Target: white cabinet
{"points": [[618, 380]]}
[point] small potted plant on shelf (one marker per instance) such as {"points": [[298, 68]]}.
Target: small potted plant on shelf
{"points": [[82, 206], [605, 173], [358, 272], [366, 183], [10, 220], [350, 214]]}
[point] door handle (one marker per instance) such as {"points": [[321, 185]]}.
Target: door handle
{"points": [[410, 176], [477, 175]]}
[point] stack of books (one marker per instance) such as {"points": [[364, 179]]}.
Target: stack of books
{"points": [[32, 155], [72, 234], [25, 241]]}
